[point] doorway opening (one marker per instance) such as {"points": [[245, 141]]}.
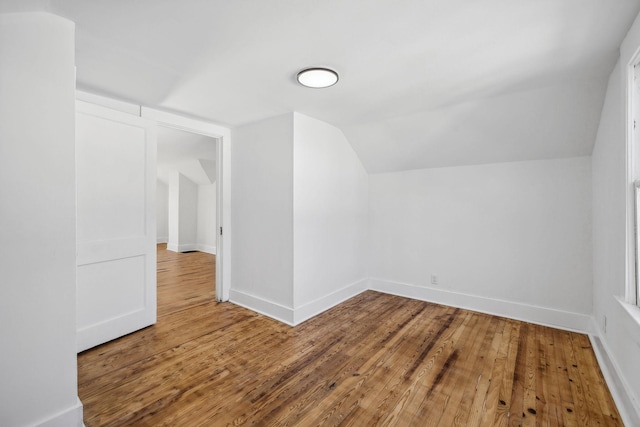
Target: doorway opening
{"points": [[186, 219], [222, 136]]}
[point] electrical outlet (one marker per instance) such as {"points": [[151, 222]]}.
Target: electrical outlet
{"points": [[434, 279]]}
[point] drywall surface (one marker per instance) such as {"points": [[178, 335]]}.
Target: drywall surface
{"points": [[516, 232], [38, 233], [330, 204], [174, 212], [621, 336], [207, 218], [262, 210], [188, 216], [183, 213], [162, 212]]}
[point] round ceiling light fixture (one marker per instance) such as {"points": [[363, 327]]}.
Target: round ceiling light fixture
{"points": [[317, 77]]}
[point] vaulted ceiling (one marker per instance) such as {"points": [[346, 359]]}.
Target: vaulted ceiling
{"points": [[423, 83]]}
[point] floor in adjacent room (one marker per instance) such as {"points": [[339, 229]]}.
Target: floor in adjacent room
{"points": [[184, 279], [375, 359]]}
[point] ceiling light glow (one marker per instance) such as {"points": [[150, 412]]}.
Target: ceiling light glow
{"points": [[317, 77]]}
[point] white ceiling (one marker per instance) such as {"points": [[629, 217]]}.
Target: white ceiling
{"points": [[423, 83], [190, 154]]}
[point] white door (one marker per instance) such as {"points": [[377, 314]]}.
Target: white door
{"points": [[116, 230]]}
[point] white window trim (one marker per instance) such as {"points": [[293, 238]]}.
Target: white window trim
{"points": [[632, 190]]}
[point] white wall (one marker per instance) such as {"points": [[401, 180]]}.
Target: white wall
{"points": [[38, 368], [183, 214], [162, 212], [330, 204], [188, 216], [174, 212], [621, 339], [300, 214], [262, 214], [207, 231], [189, 211], [515, 232]]}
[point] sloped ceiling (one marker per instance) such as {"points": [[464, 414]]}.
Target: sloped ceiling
{"points": [[423, 83], [190, 154]]}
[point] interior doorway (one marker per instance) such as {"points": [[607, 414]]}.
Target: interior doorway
{"points": [[222, 135], [186, 219]]}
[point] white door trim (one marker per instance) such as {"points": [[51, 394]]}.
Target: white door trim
{"points": [[223, 135]]}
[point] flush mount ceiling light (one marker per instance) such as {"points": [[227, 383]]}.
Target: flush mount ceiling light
{"points": [[317, 78]]}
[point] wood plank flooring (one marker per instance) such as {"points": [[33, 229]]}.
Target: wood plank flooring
{"points": [[374, 360], [184, 279]]}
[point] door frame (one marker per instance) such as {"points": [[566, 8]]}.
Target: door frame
{"points": [[223, 186]]}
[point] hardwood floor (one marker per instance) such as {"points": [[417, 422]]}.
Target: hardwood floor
{"points": [[184, 279], [376, 359]]}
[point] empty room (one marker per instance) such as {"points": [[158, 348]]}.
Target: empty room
{"points": [[301, 213]]}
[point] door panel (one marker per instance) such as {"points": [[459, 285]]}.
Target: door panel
{"points": [[115, 284], [116, 242]]}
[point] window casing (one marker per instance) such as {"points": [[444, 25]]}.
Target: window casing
{"points": [[633, 179]]}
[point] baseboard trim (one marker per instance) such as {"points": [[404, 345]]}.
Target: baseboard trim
{"points": [[162, 239], [575, 322], [260, 305], [565, 320], [313, 308], [620, 390], [71, 417], [210, 249], [294, 317], [182, 248]]}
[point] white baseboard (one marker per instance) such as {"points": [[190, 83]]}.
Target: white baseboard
{"points": [[258, 304], [182, 248], [566, 320], [71, 417], [162, 239], [326, 302], [620, 390], [293, 317], [569, 321], [210, 249], [189, 247]]}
